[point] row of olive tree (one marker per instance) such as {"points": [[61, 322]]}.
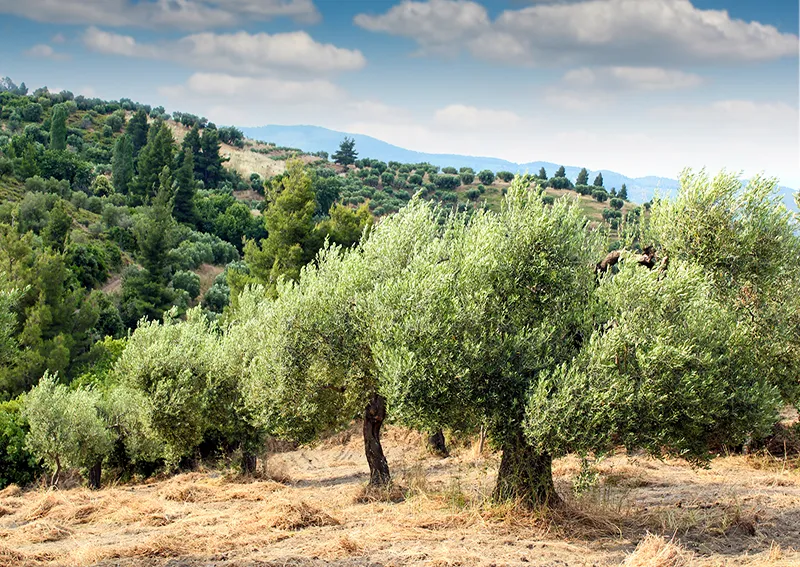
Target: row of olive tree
{"points": [[439, 319]]}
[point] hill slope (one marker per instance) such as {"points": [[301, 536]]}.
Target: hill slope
{"points": [[315, 138]]}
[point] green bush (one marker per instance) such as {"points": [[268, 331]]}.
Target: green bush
{"points": [[17, 464], [486, 177], [188, 282]]}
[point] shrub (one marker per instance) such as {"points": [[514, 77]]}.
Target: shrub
{"points": [[467, 178], [616, 203], [17, 464], [187, 281], [505, 176], [600, 196], [486, 177], [473, 194]]}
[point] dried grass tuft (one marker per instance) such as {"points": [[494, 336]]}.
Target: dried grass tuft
{"points": [[369, 494], [179, 491], [655, 551], [295, 515], [41, 532], [11, 491], [42, 507]]}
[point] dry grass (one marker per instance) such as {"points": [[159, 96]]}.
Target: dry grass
{"points": [[439, 512], [656, 551]]}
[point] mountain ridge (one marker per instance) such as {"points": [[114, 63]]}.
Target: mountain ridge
{"points": [[311, 138]]}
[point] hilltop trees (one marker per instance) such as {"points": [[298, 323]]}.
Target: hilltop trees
{"points": [[583, 177], [138, 130], [598, 181], [623, 192], [346, 154]]}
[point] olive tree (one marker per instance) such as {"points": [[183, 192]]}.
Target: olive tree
{"points": [[747, 242], [307, 355], [171, 363], [66, 428], [492, 304]]}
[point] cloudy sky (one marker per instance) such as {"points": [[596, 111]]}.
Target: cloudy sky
{"points": [[637, 86]]}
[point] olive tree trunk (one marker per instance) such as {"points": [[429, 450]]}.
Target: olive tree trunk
{"points": [[437, 445], [249, 462], [95, 473], [526, 476], [374, 416]]}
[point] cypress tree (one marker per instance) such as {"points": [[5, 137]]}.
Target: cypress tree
{"points": [[122, 164], [183, 209], [138, 129], [583, 177], [154, 157], [598, 181], [209, 159], [58, 128]]}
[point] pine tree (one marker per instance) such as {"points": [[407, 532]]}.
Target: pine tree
{"points": [[292, 240], [58, 226], [209, 159], [138, 129], [58, 128], [184, 208], [583, 177], [623, 193], [598, 181], [154, 157], [561, 172], [154, 230], [122, 164], [346, 155], [543, 174], [192, 142]]}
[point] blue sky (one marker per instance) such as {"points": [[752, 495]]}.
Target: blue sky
{"points": [[638, 86]]}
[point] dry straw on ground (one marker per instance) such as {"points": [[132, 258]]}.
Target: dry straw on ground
{"points": [[740, 512]]}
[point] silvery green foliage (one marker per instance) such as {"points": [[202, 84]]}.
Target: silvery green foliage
{"points": [[171, 364], [670, 370], [482, 310], [306, 357], [126, 412], [747, 242], [66, 428]]}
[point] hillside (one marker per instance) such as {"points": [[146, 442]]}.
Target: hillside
{"points": [[315, 138], [306, 508]]}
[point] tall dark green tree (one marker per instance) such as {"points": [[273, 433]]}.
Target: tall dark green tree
{"points": [[209, 162], [346, 154], [561, 172], [623, 193], [543, 174], [137, 129], [154, 157], [154, 230], [583, 177], [58, 226], [184, 208], [191, 142], [122, 164], [58, 128], [598, 181]]}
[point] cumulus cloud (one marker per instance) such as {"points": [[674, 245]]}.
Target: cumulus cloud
{"points": [[44, 51], [596, 32], [239, 52], [182, 14], [235, 89]]}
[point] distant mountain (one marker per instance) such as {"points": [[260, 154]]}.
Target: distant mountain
{"points": [[315, 138]]}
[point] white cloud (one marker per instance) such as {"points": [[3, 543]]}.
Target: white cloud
{"points": [[182, 14], [58, 38], [233, 89], [239, 52], [596, 32], [435, 25], [44, 51], [459, 116]]}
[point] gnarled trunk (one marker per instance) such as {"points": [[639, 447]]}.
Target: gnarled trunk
{"points": [[526, 475], [437, 445], [374, 415], [249, 462], [94, 475]]}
